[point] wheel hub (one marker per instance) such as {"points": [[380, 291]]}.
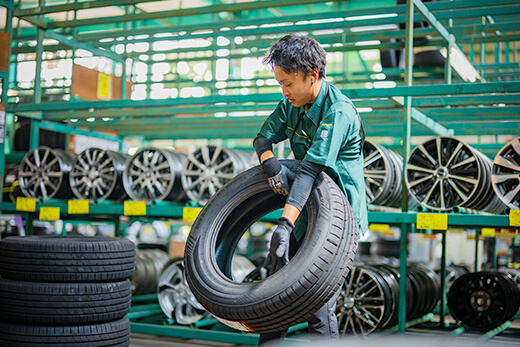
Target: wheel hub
{"points": [[92, 174], [349, 302], [480, 301], [441, 172]]}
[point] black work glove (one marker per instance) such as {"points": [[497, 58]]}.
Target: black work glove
{"points": [[277, 175], [279, 249]]}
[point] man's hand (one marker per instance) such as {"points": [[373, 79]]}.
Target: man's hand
{"points": [[277, 175], [279, 249]]}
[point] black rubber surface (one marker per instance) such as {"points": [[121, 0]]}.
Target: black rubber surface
{"points": [[52, 258], [63, 303], [315, 273], [116, 333]]}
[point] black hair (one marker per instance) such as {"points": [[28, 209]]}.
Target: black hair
{"points": [[294, 52]]}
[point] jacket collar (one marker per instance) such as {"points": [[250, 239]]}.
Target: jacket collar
{"points": [[314, 110]]}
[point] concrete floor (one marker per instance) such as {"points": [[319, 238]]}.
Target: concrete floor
{"points": [[141, 340]]}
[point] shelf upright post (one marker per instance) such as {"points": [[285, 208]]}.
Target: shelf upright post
{"points": [[442, 312], [37, 96], [5, 89], [405, 227], [447, 63], [477, 235]]}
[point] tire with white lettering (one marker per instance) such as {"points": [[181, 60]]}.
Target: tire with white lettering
{"points": [[290, 296]]}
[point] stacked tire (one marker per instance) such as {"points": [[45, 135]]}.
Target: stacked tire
{"points": [[65, 290]]}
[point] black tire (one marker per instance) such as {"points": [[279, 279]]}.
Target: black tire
{"points": [[53, 258], [116, 333], [63, 303], [315, 273]]}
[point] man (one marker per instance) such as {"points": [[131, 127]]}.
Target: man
{"points": [[326, 134]]}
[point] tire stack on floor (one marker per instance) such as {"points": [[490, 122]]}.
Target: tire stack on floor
{"points": [[65, 290]]}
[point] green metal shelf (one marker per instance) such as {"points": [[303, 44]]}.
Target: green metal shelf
{"points": [[105, 208], [164, 209]]}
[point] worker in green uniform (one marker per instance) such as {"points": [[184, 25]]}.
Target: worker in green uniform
{"points": [[326, 134]]}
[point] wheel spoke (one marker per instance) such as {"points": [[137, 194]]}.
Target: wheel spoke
{"points": [[427, 155], [511, 195], [501, 178], [421, 180], [505, 163], [464, 162], [372, 160], [454, 154], [457, 189], [465, 179], [216, 155], [418, 168], [223, 164], [430, 191]]}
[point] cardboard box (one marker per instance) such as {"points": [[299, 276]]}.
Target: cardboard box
{"points": [[176, 249]]}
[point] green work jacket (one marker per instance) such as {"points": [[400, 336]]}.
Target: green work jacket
{"points": [[337, 142]]}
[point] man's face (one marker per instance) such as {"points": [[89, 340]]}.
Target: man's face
{"points": [[295, 87]]}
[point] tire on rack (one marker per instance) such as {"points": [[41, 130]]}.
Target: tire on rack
{"points": [[115, 333], [290, 296], [53, 258], [63, 303]]}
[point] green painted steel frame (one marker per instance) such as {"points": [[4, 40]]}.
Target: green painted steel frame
{"points": [[8, 5], [194, 333]]}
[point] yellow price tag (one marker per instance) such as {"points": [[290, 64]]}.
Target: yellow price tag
{"points": [[514, 218], [488, 232], [104, 87], [134, 208], [49, 213], [378, 227], [78, 206], [189, 214], [25, 204], [433, 221]]}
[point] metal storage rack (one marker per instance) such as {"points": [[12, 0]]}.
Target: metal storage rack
{"points": [[444, 108]]}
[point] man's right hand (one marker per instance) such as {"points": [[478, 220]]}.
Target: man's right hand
{"points": [[277, 175]]}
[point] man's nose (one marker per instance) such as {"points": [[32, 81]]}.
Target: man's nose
{"points": [[284, 91]]}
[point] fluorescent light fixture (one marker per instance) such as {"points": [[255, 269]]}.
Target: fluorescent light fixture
{"points": [[461, 64], [368, 43], [375, 16], [373, 28]]}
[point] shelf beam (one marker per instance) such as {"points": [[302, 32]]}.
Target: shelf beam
{"points": [[197, 11], [85, 5], [65, 129], [418, 90], [79, 45]]}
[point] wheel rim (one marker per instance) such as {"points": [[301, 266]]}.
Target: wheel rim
{"points": [[443, 173], [96, 174], [175, 298], [207, 170], [378, 172], [483, 300], [506, 174], [153, 175], [43, 173], [362, 303]]}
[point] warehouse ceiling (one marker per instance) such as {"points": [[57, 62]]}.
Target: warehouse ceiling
{"points": [[202, 59]]}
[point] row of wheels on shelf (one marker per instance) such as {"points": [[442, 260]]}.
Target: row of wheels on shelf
{"points": [[151, 174], [441, 174], [369, 298]]}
